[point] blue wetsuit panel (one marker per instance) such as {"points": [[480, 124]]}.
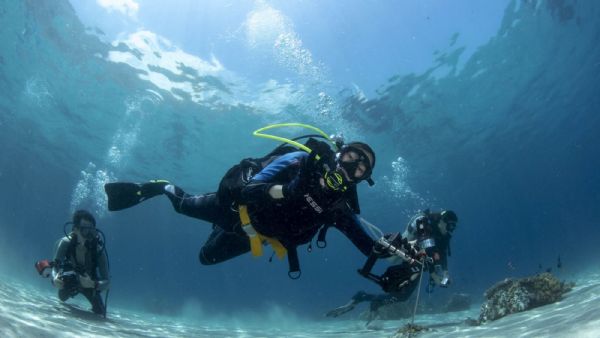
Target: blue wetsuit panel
{"points": [[280, 164]]}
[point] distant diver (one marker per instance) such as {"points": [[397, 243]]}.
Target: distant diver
{"points": [[426, 238], [80, 263], [283, 198]]}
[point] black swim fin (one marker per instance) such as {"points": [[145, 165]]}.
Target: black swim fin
{"points": [[122, 195]]}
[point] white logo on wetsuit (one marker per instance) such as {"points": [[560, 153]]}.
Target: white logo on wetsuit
{"points": [[313, 203]]}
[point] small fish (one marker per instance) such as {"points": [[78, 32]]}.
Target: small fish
{"points": [[558, 263]]}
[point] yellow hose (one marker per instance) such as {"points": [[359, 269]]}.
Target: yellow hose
{"points": [[259, 133]]}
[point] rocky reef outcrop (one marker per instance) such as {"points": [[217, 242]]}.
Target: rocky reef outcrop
{"points": [[517, 295]]}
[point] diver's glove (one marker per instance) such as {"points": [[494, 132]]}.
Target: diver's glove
{"points": [[445, 281], [439, 277]]}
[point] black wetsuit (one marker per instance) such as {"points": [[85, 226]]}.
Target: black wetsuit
{"points": [[293, 220]]}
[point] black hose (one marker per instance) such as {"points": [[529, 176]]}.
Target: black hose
{"points": [[108, 267]]}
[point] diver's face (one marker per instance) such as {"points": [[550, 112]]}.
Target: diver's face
{"points": [[86, 229], [446, 228], [442, 228], [360, 167]]}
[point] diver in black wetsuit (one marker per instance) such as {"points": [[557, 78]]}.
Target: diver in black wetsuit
{"points": [[427, 236], [285, 203]]}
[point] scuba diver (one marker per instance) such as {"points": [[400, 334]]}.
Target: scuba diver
{"points": [[425, 244], [282, 199], [80, 263]]}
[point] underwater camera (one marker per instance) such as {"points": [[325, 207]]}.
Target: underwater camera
{"points": [[69, 276]]}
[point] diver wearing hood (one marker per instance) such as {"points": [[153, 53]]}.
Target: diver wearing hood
{"points": [[283, 199], [80, 263]]}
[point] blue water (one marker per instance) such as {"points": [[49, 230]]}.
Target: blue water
{"points": [[505, 132]]}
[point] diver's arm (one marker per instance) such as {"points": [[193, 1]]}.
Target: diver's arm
{"points": [[103, 282], [438, 271], [264, 186], [350, 226], [60, 255], [444, 276]]}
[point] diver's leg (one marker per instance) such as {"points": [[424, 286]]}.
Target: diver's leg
{"points": [[358, 297], [204, 207], [64, 294], [405, 293], [68, 290], [223, 245], [95, 300], [381, 300], [362, 296]]}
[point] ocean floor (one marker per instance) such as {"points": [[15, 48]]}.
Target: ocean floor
{"points": [[28, 312]]}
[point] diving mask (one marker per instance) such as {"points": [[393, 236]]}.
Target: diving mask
{"points": [[87, 232], [357, 166]]}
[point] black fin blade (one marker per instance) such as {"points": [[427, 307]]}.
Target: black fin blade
{"points": [[123, 195]]}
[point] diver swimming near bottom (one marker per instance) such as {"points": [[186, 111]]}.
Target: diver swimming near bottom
{"points": [[283, 199], [424, 245], [80, 263]]}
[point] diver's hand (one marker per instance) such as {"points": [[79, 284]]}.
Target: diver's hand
{"points": [[58, 282], [440, 278], [276, 191], [86, 282], [445, 280]]}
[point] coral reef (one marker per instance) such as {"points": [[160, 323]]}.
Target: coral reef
{"points": [[516, 295]]}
